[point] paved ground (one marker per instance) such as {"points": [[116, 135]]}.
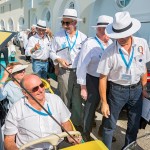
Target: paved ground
{"points": [[143, 143]]}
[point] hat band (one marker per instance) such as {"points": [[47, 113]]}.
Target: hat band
{"points": [[122, 30], [41, 26], [102, 23], [69, 16]]}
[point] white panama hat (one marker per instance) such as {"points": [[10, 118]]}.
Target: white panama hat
{"points": [[70, 13], [18, 68], [103, 21], [41, 24], [123, 26]]}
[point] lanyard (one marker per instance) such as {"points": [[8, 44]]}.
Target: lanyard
{"points": [[39, 112], [67, 37], [124, 60], [100, 44]]}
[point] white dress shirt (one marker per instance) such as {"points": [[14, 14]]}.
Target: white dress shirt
{"points": [[60, 41], [28, 125], [89, 58], [45, 46], [112, 64]]}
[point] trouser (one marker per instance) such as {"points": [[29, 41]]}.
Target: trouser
{"points": [[40, 68], [118, 96], [92, 84], [70, 94], [28, 58], [22, 48]]}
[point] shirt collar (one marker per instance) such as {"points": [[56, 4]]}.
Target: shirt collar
{"points": [[120, 47], [109, 41], [13, 84], [27, 102], [36, 35]]}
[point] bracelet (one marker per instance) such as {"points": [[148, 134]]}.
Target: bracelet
{"points": [[2, 83]]}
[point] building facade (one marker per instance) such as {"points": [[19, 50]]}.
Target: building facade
{"points": [[17, 15]]}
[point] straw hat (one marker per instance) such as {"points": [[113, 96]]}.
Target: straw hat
{"points": [[103, 21], [41, 24], [123, 26], [70, 13]]}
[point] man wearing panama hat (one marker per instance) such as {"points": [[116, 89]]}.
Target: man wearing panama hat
{"points": [[123, 65], [87, 76], [38, 47], [72, 38]]}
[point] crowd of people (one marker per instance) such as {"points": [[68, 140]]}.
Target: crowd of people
{"points": [[108, 68]]}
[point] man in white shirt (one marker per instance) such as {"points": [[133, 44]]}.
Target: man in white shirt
{"points": [[87, 76], [123, 64], [67, 83], [39, 47], [27, 121]]}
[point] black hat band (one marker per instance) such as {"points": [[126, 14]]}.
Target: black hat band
{"points": [[41, 26], [122, 30], [102, 23], [69, 16]]}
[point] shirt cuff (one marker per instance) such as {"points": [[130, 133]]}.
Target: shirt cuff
{"points": [[81, 81]]}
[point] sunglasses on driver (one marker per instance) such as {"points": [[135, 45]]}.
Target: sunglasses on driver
{"points": [[36, 88]]}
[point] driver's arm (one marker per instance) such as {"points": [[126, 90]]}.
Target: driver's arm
{"points": [[67, 125], [9, 142]]}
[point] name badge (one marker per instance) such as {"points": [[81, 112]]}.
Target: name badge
{"points": [[126, 77]]}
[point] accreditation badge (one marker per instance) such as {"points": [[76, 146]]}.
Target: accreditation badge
{"points": [[140, 49], [126, 77]]}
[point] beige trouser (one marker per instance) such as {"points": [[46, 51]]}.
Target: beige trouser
{"points": [[70, 94]]}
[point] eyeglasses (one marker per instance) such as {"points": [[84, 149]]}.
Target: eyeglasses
{"points": [[36, 88], [66, 23]]}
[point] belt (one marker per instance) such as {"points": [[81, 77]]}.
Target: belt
{"points": [[124, 86], [70, 69], [41, 60]]}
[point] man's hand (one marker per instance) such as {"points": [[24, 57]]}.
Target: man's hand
{"points": [[37, 46], [77, 138], [9, 142], [84, 93], [105, 110], [63, 62]]}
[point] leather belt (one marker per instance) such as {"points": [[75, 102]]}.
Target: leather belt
{"points": [[41, 60], [124, 86], [70, 69]]}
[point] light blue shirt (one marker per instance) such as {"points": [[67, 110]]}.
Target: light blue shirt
{"points": [[12, 92]]}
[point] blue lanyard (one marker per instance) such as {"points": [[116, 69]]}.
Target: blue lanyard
{"points": [[67, 37], [39, 112], [100, 44], [124, 60]]}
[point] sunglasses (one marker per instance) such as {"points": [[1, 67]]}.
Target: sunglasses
{"points": [[20, 71], [41, 30], [66, 23], [36, 88]]}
